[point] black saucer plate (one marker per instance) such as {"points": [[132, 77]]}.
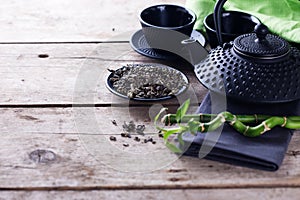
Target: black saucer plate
{"points": [[184, 88], [139, 44]]}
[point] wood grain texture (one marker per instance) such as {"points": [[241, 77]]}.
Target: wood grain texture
{"points": [[55, 55], [211, 194], [71, 20], [72, 72], [82, 161]]}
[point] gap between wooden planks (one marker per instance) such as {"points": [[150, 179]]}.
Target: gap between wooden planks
{"points": [[233, 194], [78, 166]]}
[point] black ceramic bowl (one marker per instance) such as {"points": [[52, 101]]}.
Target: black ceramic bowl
{"points": [[233, 24], [166, 25]]}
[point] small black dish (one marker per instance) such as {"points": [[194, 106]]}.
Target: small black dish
{"points": [[234, 23], [139, 44], [110, 87], [160, 22]]}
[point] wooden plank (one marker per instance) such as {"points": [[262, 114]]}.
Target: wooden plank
{"points": [[209, 194], [28, 79], [71, 20], [89, 160]]}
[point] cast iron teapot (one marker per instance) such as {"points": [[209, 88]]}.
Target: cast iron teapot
{"points": [[257, 67]]}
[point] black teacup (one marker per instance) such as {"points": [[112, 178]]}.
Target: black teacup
{"points": [[233, 24], [165, 26]]}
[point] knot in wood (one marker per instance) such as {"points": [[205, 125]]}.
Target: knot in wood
{"points": [[42, 156], [43, 55]]}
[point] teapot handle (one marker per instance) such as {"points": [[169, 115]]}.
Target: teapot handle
{"points": [[218, 19]]}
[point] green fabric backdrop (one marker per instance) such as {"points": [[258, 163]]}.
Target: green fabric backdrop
{"points": [[281, 16]]}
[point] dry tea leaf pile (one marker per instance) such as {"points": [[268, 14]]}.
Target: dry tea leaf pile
{"points": [[147, 81]]}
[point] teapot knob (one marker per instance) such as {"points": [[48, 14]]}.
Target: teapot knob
{"points": [[261, 32]]}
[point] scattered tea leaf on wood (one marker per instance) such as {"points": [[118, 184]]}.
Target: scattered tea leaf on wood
{"points": [[129, 127], [140, 129], [127, 135], [114, 122], [125, 144], [113, 138], [137, 139]]}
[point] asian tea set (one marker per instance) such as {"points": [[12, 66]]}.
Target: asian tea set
{"points": [[246, 62], [253, 78]]}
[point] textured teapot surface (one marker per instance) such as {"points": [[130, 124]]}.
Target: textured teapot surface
{"points": [[248, 78], [257, 67]]}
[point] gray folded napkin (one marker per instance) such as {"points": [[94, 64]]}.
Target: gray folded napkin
{"points": [[265, 152]]}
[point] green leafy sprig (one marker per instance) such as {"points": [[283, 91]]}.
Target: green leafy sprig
{"points": [[208, 122]]}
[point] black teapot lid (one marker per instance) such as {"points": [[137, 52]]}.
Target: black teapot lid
{"points": [[261, 44]]}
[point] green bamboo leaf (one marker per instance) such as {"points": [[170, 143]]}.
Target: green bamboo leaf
{"points": [[182, 110], [173, 148], [180, 139], [169, 132]]}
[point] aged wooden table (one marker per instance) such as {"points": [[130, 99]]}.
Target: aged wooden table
{"points": [[56, 114]]}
